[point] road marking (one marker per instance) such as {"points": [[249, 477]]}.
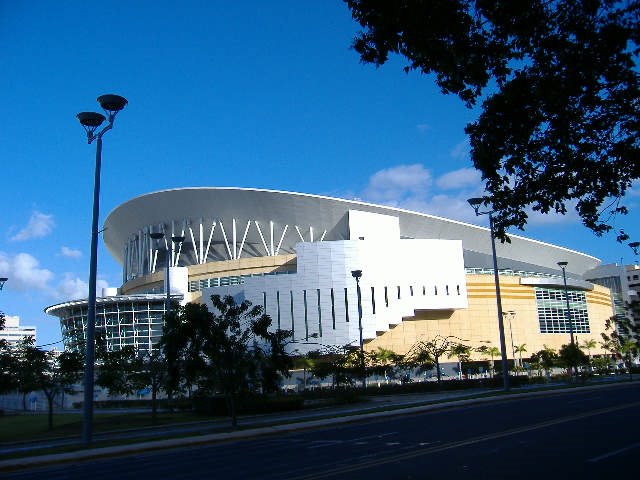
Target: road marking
{"points": [[372, 436], [461, 443], [392, 444], [615, 452]]}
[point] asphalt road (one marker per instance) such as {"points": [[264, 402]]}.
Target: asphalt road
{"points": [[586, 434]]}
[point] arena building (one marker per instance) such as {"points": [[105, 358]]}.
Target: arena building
{"points": [[293, 253]]}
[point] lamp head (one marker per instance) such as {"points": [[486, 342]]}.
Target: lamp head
{"points": [[2, 280], [475, 203], [177, 239], [562, 264], [90, 121], [634, 246], [112, 103], [357, 274], [157, 235]]}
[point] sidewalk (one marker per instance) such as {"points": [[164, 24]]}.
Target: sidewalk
{"points": [[253, 426]]}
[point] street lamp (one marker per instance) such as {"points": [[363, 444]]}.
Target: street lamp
{"points": [[475, 204], [2, 280], [635, 246], [111, 104], [563, 266], [510, 314], [167, 282], [357, 274]]}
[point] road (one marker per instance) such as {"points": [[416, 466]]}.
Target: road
{"points": [[590, 434]]}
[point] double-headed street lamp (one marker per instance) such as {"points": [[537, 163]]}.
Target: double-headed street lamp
{"points": [[168, 254], [2, 281], [563, 266], [111, 104], [475, 204], [357, 274], [635, 246]]}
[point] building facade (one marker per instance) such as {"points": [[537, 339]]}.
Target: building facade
{"points": [[293, 254]]}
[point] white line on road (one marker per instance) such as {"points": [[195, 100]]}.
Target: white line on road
{"points": [[615, 452]]}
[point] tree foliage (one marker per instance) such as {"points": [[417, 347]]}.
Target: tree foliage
{"points": [[622, 336], [229, 351], [560, 118], [47, 371]]}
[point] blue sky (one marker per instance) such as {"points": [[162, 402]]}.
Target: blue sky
{"points": [[247, 93]]}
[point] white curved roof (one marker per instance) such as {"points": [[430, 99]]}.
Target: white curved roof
{"points": [[286, 217]]}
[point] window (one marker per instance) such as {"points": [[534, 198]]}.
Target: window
{"points": [[458, 289], [386, 297], [552, 311], [306, 316], [293, 329], [373, 300], [319, 314], [346, 304], [435, 290], [411, 290], [447, 289], [278, 307], [398, 292], [333, 310]]}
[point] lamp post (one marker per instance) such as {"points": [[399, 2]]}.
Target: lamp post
{"points": [[563, 266], [357, 274], [475, 204], [167, 282], [510, 314], [111, 104]]}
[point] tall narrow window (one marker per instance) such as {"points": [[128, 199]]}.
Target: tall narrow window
{"points": [[386, 297], [293, 328], [373, 300], [447, 289], [319, 314], [398, 292], [278, 307], [411, 290], [346, 304], [435, 290], [424, 290], [333, 310], [264, 301], [306, 316], [458, 289]]}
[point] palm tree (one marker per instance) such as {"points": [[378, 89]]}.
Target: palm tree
{"points": [[520, 349], [589, 344]]}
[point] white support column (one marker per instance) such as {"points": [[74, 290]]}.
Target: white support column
{"points": [[323, 234], [206, 253], [271, 236], [184, 225], [233, 226], [284, 232], [193, 244], [311, 233], [299, 234], [266, 249], [226, 242], [244, 237], [155, 259], [201, 240]]}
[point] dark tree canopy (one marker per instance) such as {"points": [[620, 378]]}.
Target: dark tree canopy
{"points": [[560, 118]]}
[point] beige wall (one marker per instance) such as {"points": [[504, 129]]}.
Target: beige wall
{"points": [[478, 324]]}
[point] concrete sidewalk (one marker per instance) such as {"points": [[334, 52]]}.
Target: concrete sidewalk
{"points": [[270, 425]]}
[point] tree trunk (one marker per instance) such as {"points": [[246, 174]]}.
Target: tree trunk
{"points": [[50, 403], [438, 369], [154, 403], [24, 401], [231, 405]]}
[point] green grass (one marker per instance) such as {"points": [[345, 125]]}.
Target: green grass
{"points": [[29, 427]]}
